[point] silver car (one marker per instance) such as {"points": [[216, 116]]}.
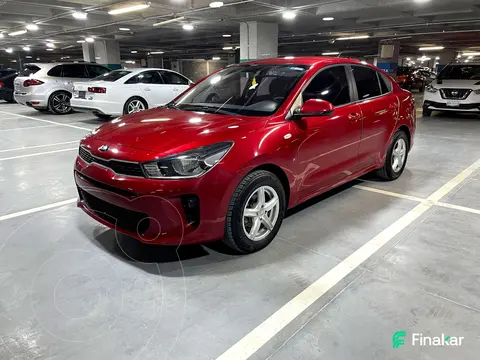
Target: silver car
{"points": [[50, 86]]}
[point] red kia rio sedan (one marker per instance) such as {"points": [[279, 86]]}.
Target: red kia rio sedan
{"points": [[230, 155]]}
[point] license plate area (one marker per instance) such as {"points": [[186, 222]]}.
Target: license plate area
{"points": [[453, 103]]}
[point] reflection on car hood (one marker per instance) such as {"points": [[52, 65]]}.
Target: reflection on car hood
{"points": [[170, 131]]}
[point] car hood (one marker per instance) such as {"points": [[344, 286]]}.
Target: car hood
{"points": [[167, 131], [458, 84]]}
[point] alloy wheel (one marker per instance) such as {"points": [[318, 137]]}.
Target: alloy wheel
{"points": [[399, 154], [135, 106], [261, 213], [61, 103]]}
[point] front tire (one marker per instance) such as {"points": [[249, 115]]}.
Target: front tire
{"points": [[396, 157], [426, 112], [59, 103], [255, 212]]}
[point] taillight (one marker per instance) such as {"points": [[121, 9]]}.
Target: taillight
{"points": [[97, 90], [32, 82], [1, 84]]}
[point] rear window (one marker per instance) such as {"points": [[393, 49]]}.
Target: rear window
{"points": [[113, 75], [29, 70]]}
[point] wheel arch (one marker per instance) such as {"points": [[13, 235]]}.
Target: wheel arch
{"points": [[278, 172]]}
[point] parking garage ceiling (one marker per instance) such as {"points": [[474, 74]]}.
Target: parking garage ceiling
{"points": [[452, 24]]}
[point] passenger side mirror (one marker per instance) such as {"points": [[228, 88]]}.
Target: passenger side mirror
{"points": [[314, 107]]}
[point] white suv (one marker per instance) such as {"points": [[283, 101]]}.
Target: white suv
{"points": [[457, 88], [49, 86]]}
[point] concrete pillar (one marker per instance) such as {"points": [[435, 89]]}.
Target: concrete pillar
{"points": [[258, 40], [88, 52], [388, 54], [107, 52], [446, 57], [155, 62]]}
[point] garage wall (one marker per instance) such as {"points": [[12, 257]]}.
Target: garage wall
{"points": [[197, 69]]}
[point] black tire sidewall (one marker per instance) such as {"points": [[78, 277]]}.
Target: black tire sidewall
{"points": [[50, 106], [234, 220], [392, 175], [125, 107]]}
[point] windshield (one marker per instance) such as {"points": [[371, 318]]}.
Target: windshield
{"points": [[29, 70], [112, 75], [252, 90], [460, 72]]}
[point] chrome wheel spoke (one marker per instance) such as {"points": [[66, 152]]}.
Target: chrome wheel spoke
{"points": [[250, 213], [267, 223], [255, 228], [261, 197], [271, 204]]}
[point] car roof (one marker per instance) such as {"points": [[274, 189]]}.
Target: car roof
{"points": [[139, 70], [304, 60], [51, 65]]}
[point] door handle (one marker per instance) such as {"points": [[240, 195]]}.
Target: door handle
{"points": [[393, 106], [354, 117], [147, 89], [175, 89]]}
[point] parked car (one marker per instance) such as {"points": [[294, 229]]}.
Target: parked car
{"points": [[7, 76], [128, 91], [411, 78], [49, 86], [228, 157], [457, 88]]}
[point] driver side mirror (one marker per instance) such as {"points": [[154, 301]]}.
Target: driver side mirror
{"points": [[314, 107]]}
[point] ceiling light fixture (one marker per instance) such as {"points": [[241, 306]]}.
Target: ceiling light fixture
{"points": [[133, 52], [227, 35], [49, 49], [469, 54], [227, 48], [49, 40], [32, 27], [408, 59], [89, 40], [124, 29], [187, 27], [331, 53], [215, 58], [1, 36], [26, 48], [19, 32], [437, 58], [80, 41], [9, 50], [470, 57], [328, 18], [358, 37], [80, 15], [157, 52], [50, 45], [430, 48], [216, 4], [28, 57], [289, 14], [169, 21], [130, 8], [424, 58]]}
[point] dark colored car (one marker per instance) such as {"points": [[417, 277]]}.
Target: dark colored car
{"points": [[230, 155], [410, 78], [7, 76]]}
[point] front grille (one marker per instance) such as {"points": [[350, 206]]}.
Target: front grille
{"points": [[129, 220], [455, 94], [101, 185], [119, 167]]}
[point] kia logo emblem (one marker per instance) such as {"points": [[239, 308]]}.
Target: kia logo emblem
{"points": [[103, 148]]}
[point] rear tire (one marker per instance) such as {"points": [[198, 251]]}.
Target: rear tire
{"points": [[253, 219], [134, 104], [59, 103], [103, 116], [426, 112], [396, 158]]}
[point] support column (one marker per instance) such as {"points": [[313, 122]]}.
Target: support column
{"points": [[88, 52], [258, 40], [446, 57], [107, 52], [388, 54]]}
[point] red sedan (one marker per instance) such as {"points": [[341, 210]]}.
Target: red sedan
{"points": [[229, 156]]}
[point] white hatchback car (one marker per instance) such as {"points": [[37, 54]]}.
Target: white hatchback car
{"points": [[457, 88], [49, 86], [127, 91]]}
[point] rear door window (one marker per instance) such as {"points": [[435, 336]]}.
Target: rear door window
{"points": [[78, 71], [367, 82], [174, 79], [385, 84]]}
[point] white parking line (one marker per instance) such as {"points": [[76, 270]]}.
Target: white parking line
{"points": [[38, 154], [27, 128], [47, 121], [37, 209], [258, 337], [39, 146]]}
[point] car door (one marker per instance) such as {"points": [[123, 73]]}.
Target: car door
{"points": [[176, 82], [328, 151], [73, 73], [153, 88], [379, 108]]}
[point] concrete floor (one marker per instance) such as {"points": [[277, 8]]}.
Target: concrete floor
{"points": [[71, 289]]}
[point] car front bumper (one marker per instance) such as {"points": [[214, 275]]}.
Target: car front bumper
{"points": [[435, 101], [169, 212]]}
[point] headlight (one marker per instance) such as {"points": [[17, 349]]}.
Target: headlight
{"points": [[431, 88], [193, 163]]}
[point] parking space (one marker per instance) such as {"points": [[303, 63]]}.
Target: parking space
{"points": [[346, 271]]}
